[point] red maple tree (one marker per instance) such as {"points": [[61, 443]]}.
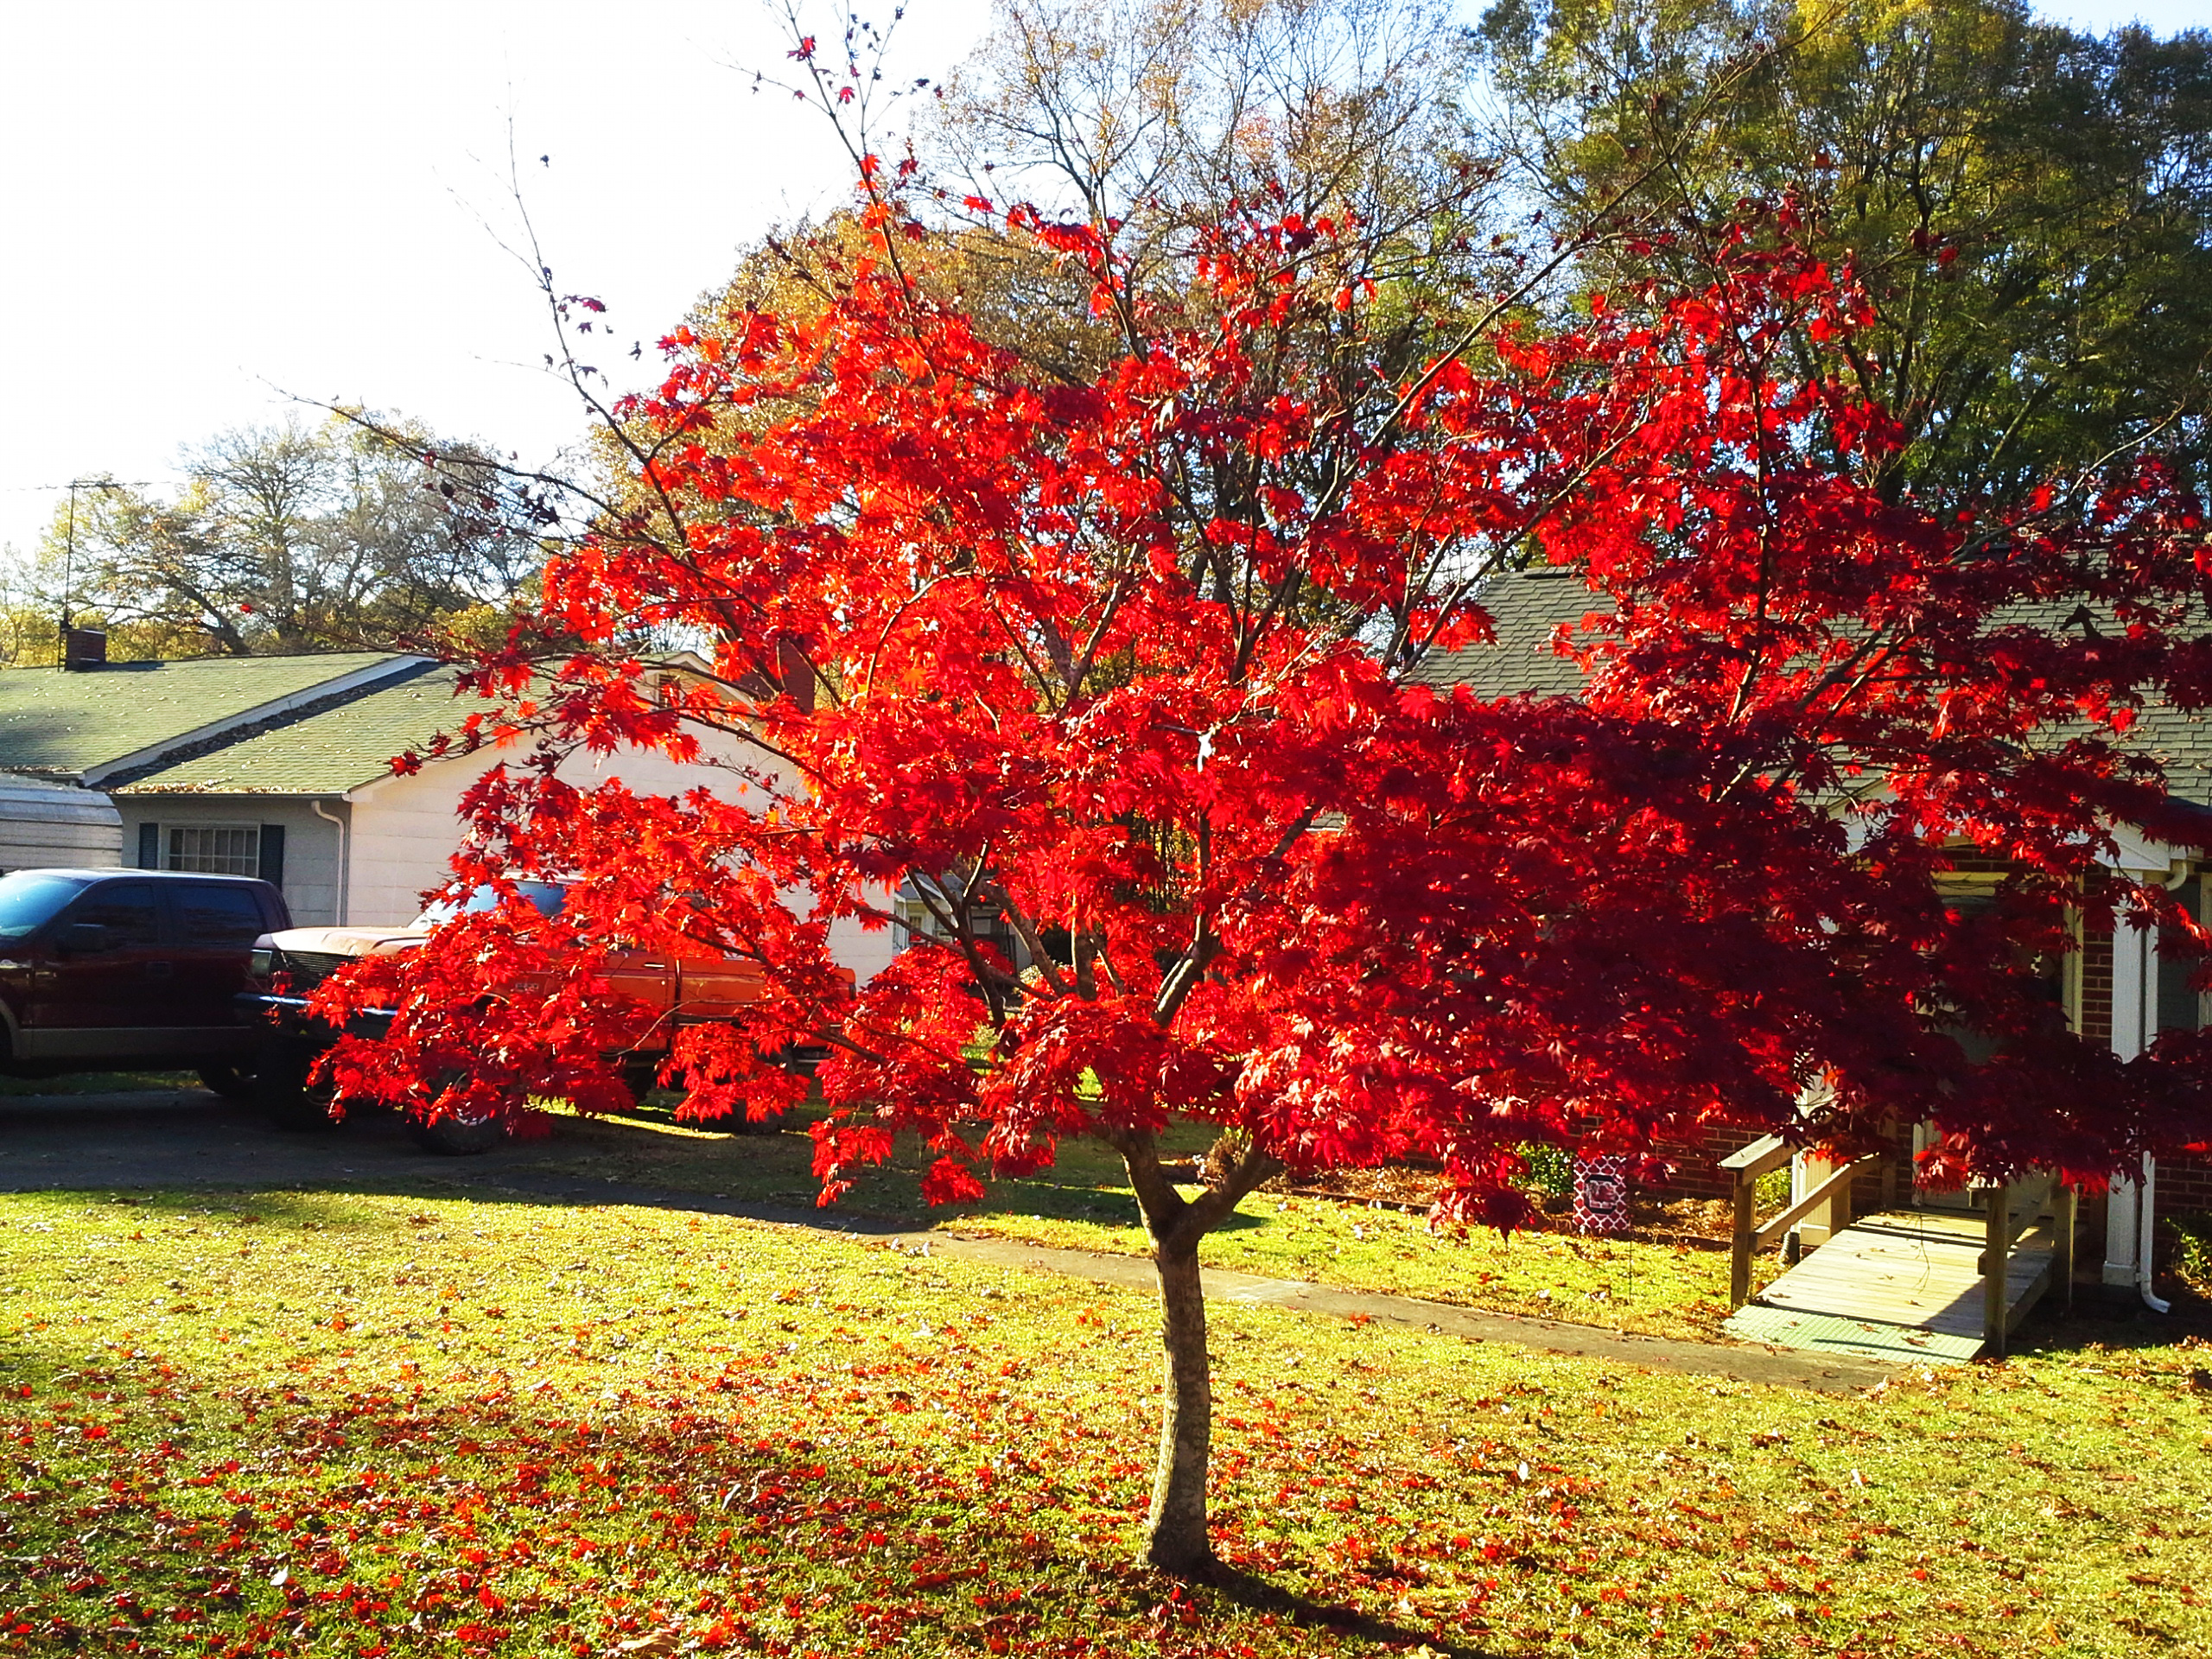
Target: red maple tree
{"points": [[1118, 688]]}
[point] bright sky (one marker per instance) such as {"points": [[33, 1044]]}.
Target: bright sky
{"points": [[212, 206]]}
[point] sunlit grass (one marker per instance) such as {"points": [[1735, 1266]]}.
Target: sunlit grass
{"points": [[1084, 1203], [322, 1424]]}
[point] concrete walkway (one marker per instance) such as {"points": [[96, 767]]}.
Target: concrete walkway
{"points": [[1824, 1373]]}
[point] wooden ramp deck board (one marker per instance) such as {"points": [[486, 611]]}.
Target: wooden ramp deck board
{"points": [[1903, 1285]]}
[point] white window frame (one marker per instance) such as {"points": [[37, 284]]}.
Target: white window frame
{"points": [[197, 848], [910, 915]]}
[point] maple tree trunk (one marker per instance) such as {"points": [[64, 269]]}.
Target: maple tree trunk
{"points": [[1176, 1529]]}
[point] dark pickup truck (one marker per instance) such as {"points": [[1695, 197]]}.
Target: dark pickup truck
{"points": [[669, 992], [106, 968]]}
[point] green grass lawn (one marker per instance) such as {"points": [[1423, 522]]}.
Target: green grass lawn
{"points": [[291, 1424], [1084, 1203]]}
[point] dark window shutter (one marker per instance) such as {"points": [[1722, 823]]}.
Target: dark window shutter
{"points": [[272, 854], [149, 846]]}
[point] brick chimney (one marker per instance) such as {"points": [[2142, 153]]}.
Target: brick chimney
{"points": [[83, 648]]}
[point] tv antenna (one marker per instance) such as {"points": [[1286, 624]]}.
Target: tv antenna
{"points": [[104, 481]]}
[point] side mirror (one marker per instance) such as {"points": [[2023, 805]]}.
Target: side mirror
{"points": [[81, 939]]}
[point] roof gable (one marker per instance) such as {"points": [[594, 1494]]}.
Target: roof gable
{"points": [[324, 746], [329, 749], [1527, 609], [89, 725]]}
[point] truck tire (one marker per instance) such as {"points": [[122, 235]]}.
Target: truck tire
{"points": [[640, 1076], [282, 1089], [232, 1079], [454, 1136]]}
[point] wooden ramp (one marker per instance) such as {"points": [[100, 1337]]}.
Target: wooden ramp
{"points": [[1901, 1284]]}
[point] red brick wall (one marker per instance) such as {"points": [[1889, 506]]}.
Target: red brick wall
{"points": [[1697, 1173], [2096, 990], [2185, 1186]]}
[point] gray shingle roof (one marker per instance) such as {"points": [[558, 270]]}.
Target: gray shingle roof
{"points": [[2182, 743], [1527, 608], [323, 752], [63, 724]]}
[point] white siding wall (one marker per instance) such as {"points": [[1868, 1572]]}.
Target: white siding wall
{"points": [[47, 826], [405, 829], [310, 883], [856, 948]]}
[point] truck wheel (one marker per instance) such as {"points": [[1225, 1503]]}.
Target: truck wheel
{"points": [[230, 1080], [282, 1092], [456, 1136]]}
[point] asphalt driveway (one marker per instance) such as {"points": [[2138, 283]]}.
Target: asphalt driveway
{"points": [[189, 1137]]}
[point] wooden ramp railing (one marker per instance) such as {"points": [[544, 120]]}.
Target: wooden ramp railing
{"points": [[1770, 1153], [2006, 1223]]}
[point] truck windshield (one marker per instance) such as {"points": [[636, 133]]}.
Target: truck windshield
{"points": [[546, 897], [31, 899]]}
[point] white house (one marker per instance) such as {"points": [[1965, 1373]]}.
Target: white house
{"points": [[281, 768], [2116, 989]]}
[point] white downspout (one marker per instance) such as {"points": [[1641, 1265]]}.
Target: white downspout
{"points": [[344, 873], [2146, 1190], [2147, 1237], [2130, 1234]]}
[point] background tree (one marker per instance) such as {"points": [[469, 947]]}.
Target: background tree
{"points": [[2027, 209], [1150, 121], [289, 539], [1144, 123], [30, 632]]}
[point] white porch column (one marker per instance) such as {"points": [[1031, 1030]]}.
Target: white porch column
{"points": [[1806, 1172], [2128, 1212]]}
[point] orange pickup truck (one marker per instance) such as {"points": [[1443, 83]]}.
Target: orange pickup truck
{"points": [[285, 968]]}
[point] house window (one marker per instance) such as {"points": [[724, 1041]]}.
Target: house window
{"points": [[214, 849], [913, 918], [2181, 1007], [914, 923]]}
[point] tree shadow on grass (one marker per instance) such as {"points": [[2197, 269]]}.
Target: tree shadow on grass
{"points": [[183, 1139], [740, 1453], [1259, 1595]]}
